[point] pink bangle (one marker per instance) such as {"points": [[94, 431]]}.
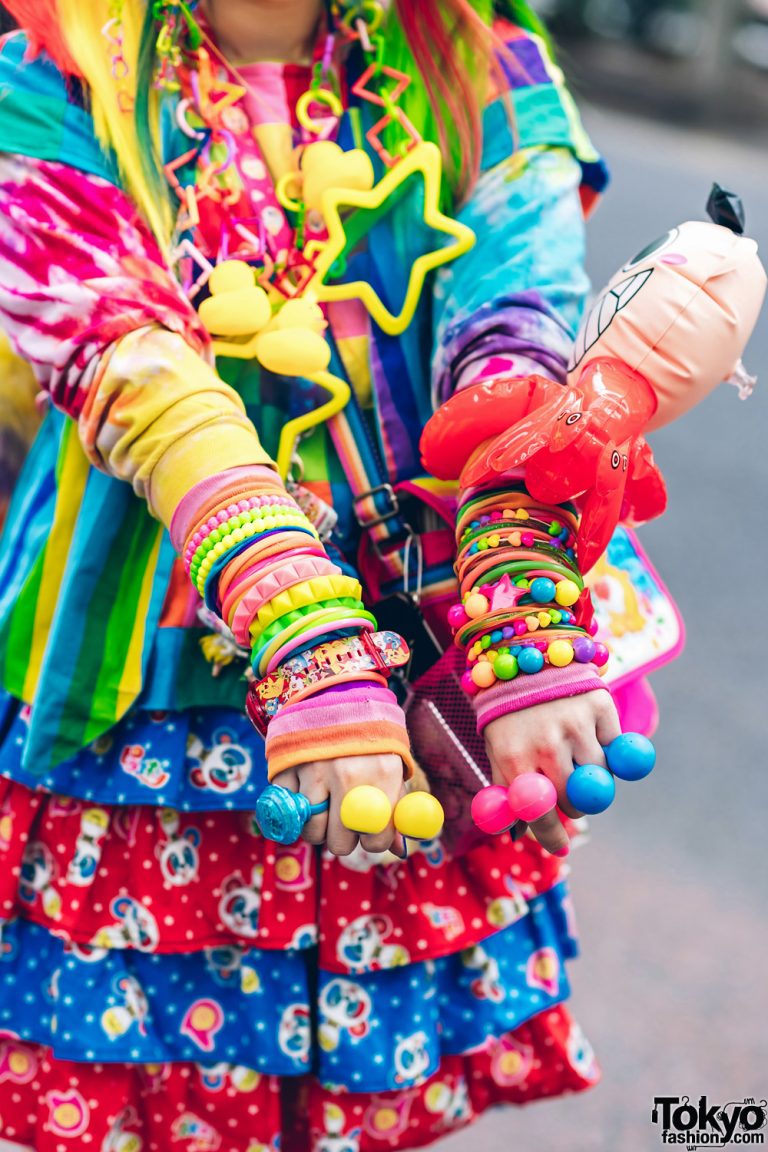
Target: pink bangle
{"points": [[242, 570], [266, 587], [312, 634]]}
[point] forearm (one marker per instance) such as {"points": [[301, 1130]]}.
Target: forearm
{"points": [[512, 305], [159, 417]]}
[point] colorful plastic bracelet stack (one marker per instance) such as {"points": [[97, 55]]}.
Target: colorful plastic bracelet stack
{"points": [[524, 606], [258, 563]]}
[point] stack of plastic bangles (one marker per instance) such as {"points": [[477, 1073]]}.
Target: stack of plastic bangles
{"points": [[259, 564], [523, 602]]}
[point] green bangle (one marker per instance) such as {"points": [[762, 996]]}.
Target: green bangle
{"points": [[333, 617], [273, 630]]}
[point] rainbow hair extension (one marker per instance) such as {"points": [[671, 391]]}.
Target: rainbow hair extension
{"points": [[447, 46], [71, 32]]}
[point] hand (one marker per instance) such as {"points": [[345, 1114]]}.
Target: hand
{"points": [[324, 779], [550, 738]]}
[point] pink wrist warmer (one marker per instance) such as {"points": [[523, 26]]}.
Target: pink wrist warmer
{"points": [[187, 511], [348, 720], [507, 696]]}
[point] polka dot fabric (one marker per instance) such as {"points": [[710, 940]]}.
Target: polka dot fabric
{"points": [[169, 978], [55, 1106]]}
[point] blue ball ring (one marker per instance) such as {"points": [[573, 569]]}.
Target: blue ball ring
{"points": [[281, 815], [591, 788], [631, 756]]}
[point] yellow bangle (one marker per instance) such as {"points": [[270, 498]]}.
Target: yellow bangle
{"points": [[312, 591]]}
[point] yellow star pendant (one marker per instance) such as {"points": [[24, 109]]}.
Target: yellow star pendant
{"points": [[425, 158]]}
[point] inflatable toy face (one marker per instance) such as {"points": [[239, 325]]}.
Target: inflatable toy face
{"points": [[680, 312]]}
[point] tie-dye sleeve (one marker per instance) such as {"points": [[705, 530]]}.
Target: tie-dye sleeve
{"points": [[514, 302], [88, 300]]}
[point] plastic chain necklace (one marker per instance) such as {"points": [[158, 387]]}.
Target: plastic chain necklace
{"points": [[266, 304]]}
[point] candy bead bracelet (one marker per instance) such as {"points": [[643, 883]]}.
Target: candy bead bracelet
{"points": [[225, 515], [272, 517], [218, 543]]}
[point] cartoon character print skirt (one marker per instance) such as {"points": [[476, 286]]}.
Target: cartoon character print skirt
{"points": [[169, 979]]}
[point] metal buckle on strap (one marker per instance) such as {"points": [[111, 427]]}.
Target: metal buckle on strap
{"points": [[394, 509]]}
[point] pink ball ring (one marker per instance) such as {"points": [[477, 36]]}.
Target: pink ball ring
{"points": [[531, 796]]}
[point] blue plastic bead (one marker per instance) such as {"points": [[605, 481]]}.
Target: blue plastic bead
{"points": [[515, 650], [530, 660], [496, 637], [631, 756], [590, 788], [542, 590]]}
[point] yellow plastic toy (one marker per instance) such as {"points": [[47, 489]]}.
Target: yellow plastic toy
{"points": [[423, 158], [289, 343], [325, 165]]}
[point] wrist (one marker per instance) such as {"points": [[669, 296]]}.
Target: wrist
{"points": [[354, 719], [550, 684]]}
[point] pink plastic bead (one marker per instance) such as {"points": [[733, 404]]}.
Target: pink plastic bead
{"points": [[490, 810], [468, 684], [601, 655], [222, 516], [541, 645], [519, 627], [527, 539], [457, 617], [531, 796], [243, 505], [593, 627], [495, 515]]}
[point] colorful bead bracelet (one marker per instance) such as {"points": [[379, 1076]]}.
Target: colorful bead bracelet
{"points": [[218, 545], [516, 613], [228, 514]]}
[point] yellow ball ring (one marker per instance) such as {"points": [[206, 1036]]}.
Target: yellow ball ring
{"points": [[419, 815], [366, 809]]}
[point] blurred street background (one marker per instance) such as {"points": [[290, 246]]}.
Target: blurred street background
{"points": [[672, 985]]}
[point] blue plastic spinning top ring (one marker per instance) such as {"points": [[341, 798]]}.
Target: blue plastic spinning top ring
{"points": [[281, 815]]}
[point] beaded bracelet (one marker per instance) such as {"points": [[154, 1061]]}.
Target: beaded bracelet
{"points": [[232, 516], [218, 545], [525, 589], [278, 540]]}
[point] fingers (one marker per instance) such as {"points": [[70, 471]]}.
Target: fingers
{"points": [[312, 780], [553, 760], [384, 772], [332, 780], [607, 724], [393, 787]]}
